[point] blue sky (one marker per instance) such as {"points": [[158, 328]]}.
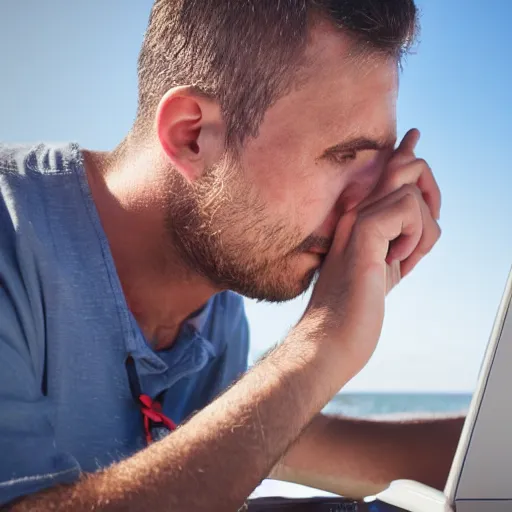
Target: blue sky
{"points": [[68, 72]]}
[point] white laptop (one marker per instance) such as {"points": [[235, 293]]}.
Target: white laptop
{"points": [[480, 478]]}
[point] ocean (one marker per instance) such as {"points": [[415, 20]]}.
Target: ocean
{"points": [[395, 404]]}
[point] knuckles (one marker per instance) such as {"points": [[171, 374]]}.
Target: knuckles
{"points": [[395, 172], [411, 194], [421, 162]]}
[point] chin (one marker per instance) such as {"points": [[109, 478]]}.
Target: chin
{"points": [[304, 275], [297, 284], [278, 287], [278, 281]]}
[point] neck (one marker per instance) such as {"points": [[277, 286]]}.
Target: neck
{"points": [[160, 291]]}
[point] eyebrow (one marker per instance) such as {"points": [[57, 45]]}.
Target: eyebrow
{"points": [[361, 144]]}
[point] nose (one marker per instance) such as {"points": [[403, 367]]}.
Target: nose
{"points": [[362, 183], [354, 194]]}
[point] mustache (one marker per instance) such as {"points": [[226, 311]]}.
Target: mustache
{"points": [[314, 242]]}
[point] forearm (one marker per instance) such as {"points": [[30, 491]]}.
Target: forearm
{"points": [[361, 457], [216, 459]]}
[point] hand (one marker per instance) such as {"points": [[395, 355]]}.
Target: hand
{"points": [[374, 245], [405, 168]]}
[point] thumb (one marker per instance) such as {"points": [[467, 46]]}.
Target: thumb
{"points": [[343, 232]]}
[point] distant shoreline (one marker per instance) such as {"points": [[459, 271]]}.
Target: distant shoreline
{"points": [[432, 393]]}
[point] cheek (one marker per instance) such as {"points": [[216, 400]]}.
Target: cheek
{"points": [[300, 195], [321, 197], [280, 165], [308, 200]]}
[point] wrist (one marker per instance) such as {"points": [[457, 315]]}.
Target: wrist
{"points": [[320, 356]]}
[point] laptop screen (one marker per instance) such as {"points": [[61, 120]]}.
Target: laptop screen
{"points": [[482, 466]]}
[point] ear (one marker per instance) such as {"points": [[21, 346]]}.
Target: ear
{"points": [[191, 131]]}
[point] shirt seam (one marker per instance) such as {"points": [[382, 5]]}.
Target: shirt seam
{"points": [[81, 176], [37, 478]]}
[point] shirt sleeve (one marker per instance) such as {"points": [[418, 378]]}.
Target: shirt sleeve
{"points": [[30, 460]]}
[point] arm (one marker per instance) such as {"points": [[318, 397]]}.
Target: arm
{"points": [[215, 460], [359, 458]]}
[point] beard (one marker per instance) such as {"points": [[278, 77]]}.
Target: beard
{"points": [[220, 229]]}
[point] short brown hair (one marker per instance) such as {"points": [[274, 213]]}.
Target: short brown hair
{"points": [[243, 52]]}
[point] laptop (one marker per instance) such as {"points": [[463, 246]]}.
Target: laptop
{"points": [[480, 478]]}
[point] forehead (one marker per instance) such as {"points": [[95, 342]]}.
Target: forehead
{"points": [[338, 94]]}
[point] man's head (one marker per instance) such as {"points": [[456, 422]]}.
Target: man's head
{"points": [[272, 118]]}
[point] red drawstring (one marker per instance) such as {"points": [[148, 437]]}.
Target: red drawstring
{"points": [[152, 411]]}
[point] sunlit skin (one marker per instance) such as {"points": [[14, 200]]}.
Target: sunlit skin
{"points": [[265, 219]]}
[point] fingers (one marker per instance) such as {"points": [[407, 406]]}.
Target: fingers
{"points": [[393, 275], [385, 239], [430, 234], [363, 239], [394, 221], [398, 176], [402, 218], [430, 190], [424, 180], [409, 142], [416, 171]]}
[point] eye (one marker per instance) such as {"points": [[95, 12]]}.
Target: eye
{"points": [[343, 158]]}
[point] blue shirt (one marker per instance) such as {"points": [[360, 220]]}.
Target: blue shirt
{"points": [[66, 332]]}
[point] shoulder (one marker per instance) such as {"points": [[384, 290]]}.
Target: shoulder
{"points": [[21, 200], [25, 231], [37, 159], [27, 173], [29, 181]]}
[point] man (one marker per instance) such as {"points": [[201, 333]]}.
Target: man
{"points": [[262, 157]]}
